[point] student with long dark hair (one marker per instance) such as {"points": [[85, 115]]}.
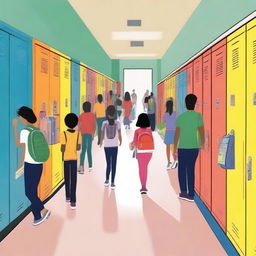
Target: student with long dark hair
{"points": [[99, 110], [32, 168], [170, 126], [110, 133], [151, 105], [127, 106]]}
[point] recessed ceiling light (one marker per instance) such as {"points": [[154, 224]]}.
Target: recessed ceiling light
{"points": [[133, 23], [136, 54], [136, 35]]}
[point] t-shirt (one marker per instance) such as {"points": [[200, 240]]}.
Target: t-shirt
{"points": [[24, 139], [188, 122], [71, 144], [151, 106], [99, 109], [108, 143], [170, 120], [127, 105], [87, 123]]}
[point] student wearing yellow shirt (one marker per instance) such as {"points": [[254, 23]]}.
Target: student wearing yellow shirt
{"points": [[99, 110]]}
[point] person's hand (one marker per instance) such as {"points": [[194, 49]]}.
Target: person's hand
{"points": [[100, 144], [14, 122], [175, 155], [19, 166], [120, 143], [131, 145]]}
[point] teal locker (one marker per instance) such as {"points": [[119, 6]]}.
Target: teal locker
{"points": [[75, 85], [181, 91], [20, 94], [4, 136]]}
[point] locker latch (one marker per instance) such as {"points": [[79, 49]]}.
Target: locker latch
{"points": [[249, 168], [66, 103], [217, 103], [232, 100], [254, 98]]}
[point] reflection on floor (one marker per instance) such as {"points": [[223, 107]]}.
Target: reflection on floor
{"points": [[120, 222]]}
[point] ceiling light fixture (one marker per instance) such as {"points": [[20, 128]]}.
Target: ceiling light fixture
{"points": [[136, 55], [136, 35]]}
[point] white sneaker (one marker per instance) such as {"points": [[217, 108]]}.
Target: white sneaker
{"points": [[175, 165], [169, 165], [106, 183], [81, 169], [90, 169], [113, 186]]}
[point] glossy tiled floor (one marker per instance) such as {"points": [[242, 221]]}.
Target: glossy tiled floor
{"points": [[120, 222]]}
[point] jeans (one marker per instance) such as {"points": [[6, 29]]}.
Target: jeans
{"points": [[99, 125], [152, 119], [32, 175], [86, 146], [70, 177], [186, 170], [111, 156]]}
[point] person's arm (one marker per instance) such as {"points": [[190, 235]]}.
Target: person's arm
{"points": [[16, 136], [120, 137], [176, 140], [201, 132], [101, 137]]}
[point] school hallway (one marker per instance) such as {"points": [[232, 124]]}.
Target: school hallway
{"points": [[120, 222]]}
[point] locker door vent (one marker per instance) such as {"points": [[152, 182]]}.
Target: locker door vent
{"points": [[56, 69], [66, 72], [197, 73], [206, 73], [235, 58], [219, 66], [20, 206], [44, 65], [235, 230], [254, 52]]}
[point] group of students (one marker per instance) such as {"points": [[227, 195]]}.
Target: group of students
{"points": [[182, 131]]}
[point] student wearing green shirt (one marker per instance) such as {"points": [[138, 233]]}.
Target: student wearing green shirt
{"points": [[189, 137]]}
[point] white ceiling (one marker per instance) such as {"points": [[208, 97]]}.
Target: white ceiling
{"points": [[163, 17]]}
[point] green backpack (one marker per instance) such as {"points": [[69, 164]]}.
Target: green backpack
{"points": [[37, 145], [151, 105]]}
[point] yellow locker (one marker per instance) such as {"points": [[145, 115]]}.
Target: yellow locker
{"points": [[251, 141], [236, 106], [57, 166], [173, 91], [82, 87]]}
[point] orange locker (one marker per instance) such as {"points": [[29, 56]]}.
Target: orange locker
{"points": [[206, 156], [219, 87], [190, 78], [197, 78], [41, 94]]}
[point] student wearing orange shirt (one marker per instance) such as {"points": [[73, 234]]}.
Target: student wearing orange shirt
{"points": [[87, 127]]}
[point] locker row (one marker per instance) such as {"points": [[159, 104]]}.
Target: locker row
{"points": [[223, 79], [53, 84]]}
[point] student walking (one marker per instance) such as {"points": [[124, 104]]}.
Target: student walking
{"points": [[87, 127], [119, 106], [144, 101], [170, 126], [99, 110], [127, 106], [143, 143], [151, 111], [189, 136], [110, 133], [70, 141], [35, 151]]}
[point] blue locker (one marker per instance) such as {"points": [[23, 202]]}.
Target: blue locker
{"points": [[4, 136], [20, 94], [75, 87], [182, 91]]}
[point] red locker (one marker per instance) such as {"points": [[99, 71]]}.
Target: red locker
{"points": [[206, 153], [190, 78], [218, 130], [197, 90]]}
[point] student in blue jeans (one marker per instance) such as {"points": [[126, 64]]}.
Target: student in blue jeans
{"points": [[189, 126]]}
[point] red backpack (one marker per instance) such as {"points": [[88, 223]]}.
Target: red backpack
{"points": [[145, 143]]}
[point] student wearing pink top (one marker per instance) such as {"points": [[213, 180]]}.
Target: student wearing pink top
{"points": [[143, 157]]}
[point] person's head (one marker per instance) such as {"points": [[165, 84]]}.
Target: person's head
{"points": [[143, 121], [127, 96], [100, 98], [147, 91], [133, 90], [190, 101], [111, 93], [110, 114], [118, 95], [87, 106], [26, 115], [151, 94], [169, 107], [71, 120]]}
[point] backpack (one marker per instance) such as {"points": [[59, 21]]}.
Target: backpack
{"points": [[145, 143], [110, 130], [118, 102], [37, 145], [226, 155]]}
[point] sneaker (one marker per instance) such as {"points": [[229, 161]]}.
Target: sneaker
{"points": [[175, 165], [73, 206], [68, 199], [189, 198], [113, 186], [106, 183], [182, 196], [143, 189], [90, 169], [169, 165], [81, 169], [45, 216]]}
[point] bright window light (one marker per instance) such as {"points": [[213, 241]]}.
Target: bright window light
{"points": [[136, 55], [136, 35]]}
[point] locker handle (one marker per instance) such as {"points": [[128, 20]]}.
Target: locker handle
{"points": [[244, 170], [249, 168], [217, 103], [66, 102]]}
